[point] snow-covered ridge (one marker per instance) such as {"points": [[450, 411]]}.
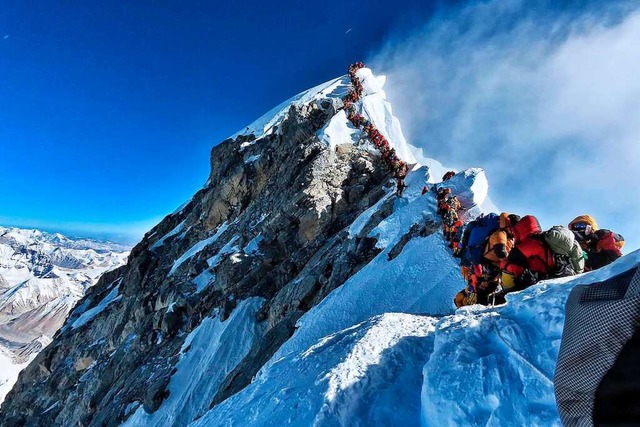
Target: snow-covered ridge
{"points": [[478, 366], [373, 106], [246, 307], [268, 123]]}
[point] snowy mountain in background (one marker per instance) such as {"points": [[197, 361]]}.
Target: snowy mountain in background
{"points": [[296, 288], [42, 276]]}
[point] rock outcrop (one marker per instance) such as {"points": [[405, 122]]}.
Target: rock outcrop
{"points": [[270, 223]]}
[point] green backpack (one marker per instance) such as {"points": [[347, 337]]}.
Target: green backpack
{"points": [[563, 243]]}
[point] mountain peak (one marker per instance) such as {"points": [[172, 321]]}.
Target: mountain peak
{"points": [[298, 257]]}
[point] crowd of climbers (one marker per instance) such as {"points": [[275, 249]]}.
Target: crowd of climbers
{"points": [[398, 168], [506, 252], [498, 253]]}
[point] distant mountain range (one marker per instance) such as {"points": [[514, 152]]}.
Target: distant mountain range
{"points": [[42, 276]]}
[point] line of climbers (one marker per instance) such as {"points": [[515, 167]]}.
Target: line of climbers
{"points": [[499, 253], [398, 167], [505, 253], [448, 209]]}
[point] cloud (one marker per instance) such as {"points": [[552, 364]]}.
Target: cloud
{"points": [[546, 100]]}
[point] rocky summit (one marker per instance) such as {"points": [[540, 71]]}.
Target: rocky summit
{"points": [[271, 226], [309, 282]]}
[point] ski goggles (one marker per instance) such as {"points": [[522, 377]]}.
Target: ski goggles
{"points": [[579, 226]]}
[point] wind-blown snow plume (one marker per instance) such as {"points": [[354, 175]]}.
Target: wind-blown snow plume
{"points": [[530, 96]]}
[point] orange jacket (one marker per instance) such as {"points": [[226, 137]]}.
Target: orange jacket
{"points": [[498, 246]]}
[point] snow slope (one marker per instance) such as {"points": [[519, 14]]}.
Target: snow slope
{"points": [[210, 352], [358, 376], [479, 366], [388, 346]]}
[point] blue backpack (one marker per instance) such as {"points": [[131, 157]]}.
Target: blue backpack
{"points": [[478, 231]]}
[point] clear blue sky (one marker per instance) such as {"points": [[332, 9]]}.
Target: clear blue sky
{"points": [[108, 110]]}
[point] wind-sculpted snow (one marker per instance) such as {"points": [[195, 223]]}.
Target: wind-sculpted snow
{"points": [[471, 188], [268, 123], [500, 361], [368, 374], [209, 353], [477, 367], [376, 108], [339, 131]]}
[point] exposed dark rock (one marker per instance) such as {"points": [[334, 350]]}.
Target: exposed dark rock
{"points": [[296, 194], [416, 230], [241, 376]]}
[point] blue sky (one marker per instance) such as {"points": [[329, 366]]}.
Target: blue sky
{"points": [[108, 111]]}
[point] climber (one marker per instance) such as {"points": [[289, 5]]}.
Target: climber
{"points": [[530, 260], [425, 190], [500, 242], [441, 195], [400, 186], [482, 282], [567, 253], [455, 235], [447, 176], [464, 297], [457, 240], [496, 249], [482, 277], [475, 236], [469, 296], [482, 270], [450, 220], [602, 246]]}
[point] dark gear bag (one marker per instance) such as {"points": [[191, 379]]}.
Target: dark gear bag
{"points": [[482, 227]]}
